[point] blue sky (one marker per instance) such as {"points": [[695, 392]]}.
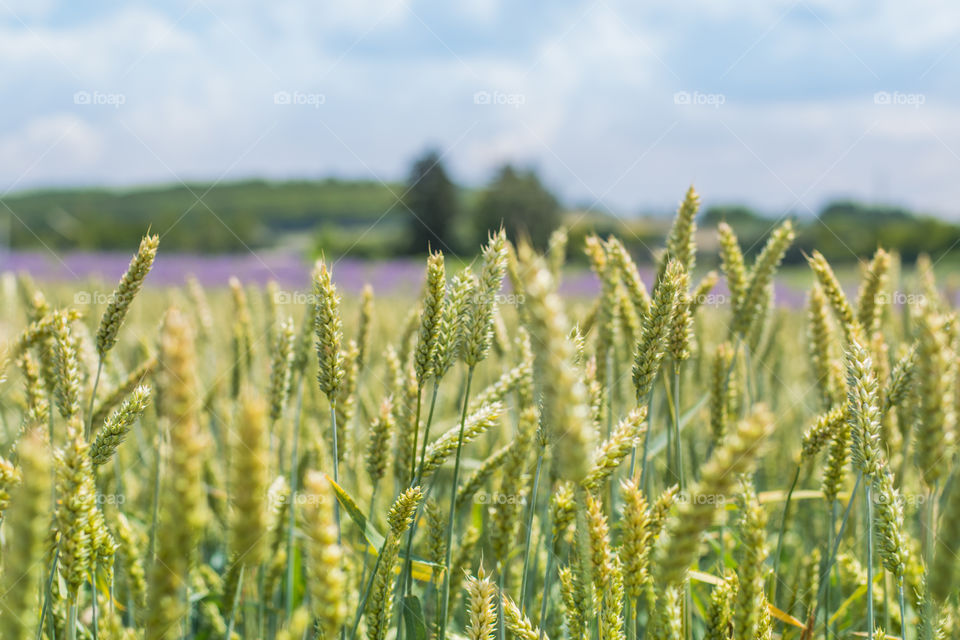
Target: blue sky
{"points": [[770, 103]]}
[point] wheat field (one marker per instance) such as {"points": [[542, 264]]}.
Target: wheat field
{"points": [[679, 458]]}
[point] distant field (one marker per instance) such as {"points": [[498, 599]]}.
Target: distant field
{"points": [[200, 217], [389, 277]]}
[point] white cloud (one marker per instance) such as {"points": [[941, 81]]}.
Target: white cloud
{"points": [[51, 143], [597, 82]]}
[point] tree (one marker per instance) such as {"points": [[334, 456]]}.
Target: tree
{"points": [[519, 201], [431, 199], [734, 215]]}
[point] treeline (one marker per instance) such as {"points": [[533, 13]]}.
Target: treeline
{"points": [[846, 230], [198, 217], [429, 209]]}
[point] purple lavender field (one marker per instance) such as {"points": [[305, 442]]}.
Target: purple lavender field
{"points": [[396, 277]]}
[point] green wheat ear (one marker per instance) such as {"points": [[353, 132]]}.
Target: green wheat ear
{"points": [[379, 606], [681, 241], [717, 480], [615, 449], [325, 557], [864, 411], [378, 442], [74, 516], [115, 429], [751, 571], [720, 613], [182, 507], [630, 275], [365, 325], [481, 607], [943, 573], [281, 368], [565, 407], [720, 373], [126, 291], [479, 333], [67, 367], [35, 393], [822, 343], [870, 300], [656, 331], [431, 317], [835, 295], [936, 376], [25, 524], [517, 623], [249, 480], [732, 265], [10, 478], [329, 332], [754, 299]]}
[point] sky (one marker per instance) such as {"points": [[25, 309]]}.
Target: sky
{"points": [[780, 105]]}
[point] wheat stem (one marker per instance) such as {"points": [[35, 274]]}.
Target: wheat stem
{"points": [[416, 435], [678, 455], [233, 607], [547, 577], [72, 617], [869, 500], [453, 507], [336, 466], [529, 534], [825, 582], [886, 607], [669, 469], [366, 593], [610, 394], [783, 528], [46, 597], [93, 591], [426, 433], [501, 628], [292, 481], [826, 574], [903, 611], [366, 555], [155, 511], [93, 398], [931, 515], [646, 448], [406, 576]]}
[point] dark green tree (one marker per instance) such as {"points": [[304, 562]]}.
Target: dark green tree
{"points": [[521, 203], [431, 202], [734, 215]]}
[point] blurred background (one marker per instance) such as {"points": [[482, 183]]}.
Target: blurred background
{"points": [[370, 130]]}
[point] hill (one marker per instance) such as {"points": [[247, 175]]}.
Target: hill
{"points": [[201, 217]]}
